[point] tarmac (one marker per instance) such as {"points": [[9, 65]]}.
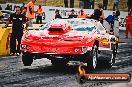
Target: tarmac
{"points": [[128, 40], [122, 38]]}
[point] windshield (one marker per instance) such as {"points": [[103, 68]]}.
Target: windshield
{"points": [[46, 26], [56, 21], [78, 25], [89, 29], [75, 23]]}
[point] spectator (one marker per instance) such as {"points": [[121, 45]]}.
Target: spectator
{"points": [[129, 4], [91, 4], [66, 3], [23, 9], [17, 20], [116, 24], [11, 7], [82, 14], [86, 4], [0, 7], [14, 7], [39, 15], [72, 15], [110, 19], [116, 4], [71, 3], [43, 14], [57, 14], [98, 14], [30, 11], [81, 4], [7, 7], [1, 17], [117, 14], [105, 3]]}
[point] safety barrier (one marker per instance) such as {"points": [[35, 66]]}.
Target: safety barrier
{"points": [[5, 41], [5, 34]]}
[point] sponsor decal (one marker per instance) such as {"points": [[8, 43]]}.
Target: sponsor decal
{"points": [[122, 22], [105, 41]]}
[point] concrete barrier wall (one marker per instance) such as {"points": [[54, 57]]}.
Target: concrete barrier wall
{"points": [[5, 41]]}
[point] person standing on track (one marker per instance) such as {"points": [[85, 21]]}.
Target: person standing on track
{"points": [[91, 4], [129, 4], [1, 17], [105, 3], [129, 24], [23, 9], [66, 3], [98, 14], [72, 15], [116, 24], [30, 11], [17, 20], [39, 15], [57, 14], [82, 14], [116, 5]]}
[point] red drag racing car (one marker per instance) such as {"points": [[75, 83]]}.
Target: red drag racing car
{"points": [[64, 40]]}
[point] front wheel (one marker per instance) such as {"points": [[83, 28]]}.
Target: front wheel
{"points": [[92, 60], [27, 59]]}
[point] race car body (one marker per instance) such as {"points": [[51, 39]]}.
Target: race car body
{"points": [[64, 40]]}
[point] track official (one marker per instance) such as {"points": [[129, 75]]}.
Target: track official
{"points": [[30, 12], [17, 20]]}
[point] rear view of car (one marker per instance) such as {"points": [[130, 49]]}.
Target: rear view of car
{"points": [[65, 40]]}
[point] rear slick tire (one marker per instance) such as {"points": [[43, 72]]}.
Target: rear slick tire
{"points": [[92, 60], [110, 63], [27, 59]]}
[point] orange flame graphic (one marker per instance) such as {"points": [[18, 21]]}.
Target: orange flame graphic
{"points": [[81, 70]]}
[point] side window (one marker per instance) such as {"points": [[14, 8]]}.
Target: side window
{"points": [[46, 26], [97, 30], [100, 28]]}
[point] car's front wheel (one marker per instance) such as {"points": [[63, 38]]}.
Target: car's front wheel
{"points": [[92, 60], [27, 59]]}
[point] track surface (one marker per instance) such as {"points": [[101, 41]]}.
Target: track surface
{"points": [[43, 74]]}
